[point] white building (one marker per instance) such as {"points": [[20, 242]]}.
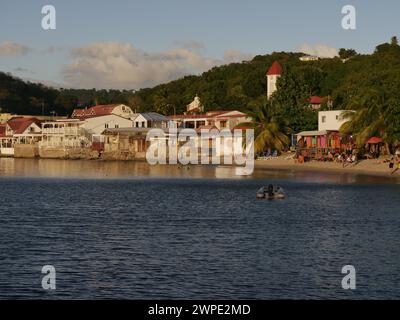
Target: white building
{"points": [[195, 106], [96, 119], [64, 134], [331, 120], [220, 119], [19, 130], [96, 125], [273, 75], [150, 120], [308, 58]]}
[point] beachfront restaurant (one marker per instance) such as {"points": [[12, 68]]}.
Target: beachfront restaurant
{"points": [[314, 144]]}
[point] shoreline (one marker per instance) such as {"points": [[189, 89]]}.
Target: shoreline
{"points": [[374, 167]]}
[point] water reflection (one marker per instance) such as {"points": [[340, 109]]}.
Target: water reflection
{"points": [[139, 169]]}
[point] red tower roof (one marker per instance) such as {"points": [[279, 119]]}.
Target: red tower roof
{"points": [[275, 70], [317, 100]]}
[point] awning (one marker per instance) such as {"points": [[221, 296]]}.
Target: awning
{"points": [[374, 140], [312, 133]]}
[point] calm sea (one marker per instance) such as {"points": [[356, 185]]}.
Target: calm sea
{"points": [[130, 231]]}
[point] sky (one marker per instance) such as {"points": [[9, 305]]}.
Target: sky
{"points": [[133, 44]]}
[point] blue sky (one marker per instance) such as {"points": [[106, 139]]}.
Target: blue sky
{"points": [[167, 39]]}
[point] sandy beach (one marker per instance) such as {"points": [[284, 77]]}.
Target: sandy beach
{"points": [[375, 167]]}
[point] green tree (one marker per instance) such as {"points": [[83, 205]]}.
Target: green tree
{"points": [[269, 127], [347, 53]]}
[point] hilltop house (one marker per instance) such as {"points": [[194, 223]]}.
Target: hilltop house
{"points": [[195, 106], [308, 58]]}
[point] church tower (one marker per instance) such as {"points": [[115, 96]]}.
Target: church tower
{"points": [[272, 77]]}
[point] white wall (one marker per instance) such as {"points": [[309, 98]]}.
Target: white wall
{"points": [[123, 111], [7, 151], [272, 80], [97, 125], [330, 120], [140, 122], [33, 128]]}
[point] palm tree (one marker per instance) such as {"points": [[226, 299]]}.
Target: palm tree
{"points": [[376, 117], [269, 128]]}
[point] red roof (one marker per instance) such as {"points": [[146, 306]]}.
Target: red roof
{"points": [[374, 140], [275, 70], [19, 124], [317, 100], [2, 130], [96, 111]]}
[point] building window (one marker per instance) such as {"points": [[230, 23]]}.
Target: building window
{"points": [[223, 124], [143, 124], [117, 126], [337, 117], [323, 119], [106, 125]]}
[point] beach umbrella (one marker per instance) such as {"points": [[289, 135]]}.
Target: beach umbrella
{"points": [[374, 140]]}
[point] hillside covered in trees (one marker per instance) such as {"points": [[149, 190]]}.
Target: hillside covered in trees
{"points": [[352, 80]]}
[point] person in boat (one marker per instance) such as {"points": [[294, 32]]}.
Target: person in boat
{"points": [[270, 190]]}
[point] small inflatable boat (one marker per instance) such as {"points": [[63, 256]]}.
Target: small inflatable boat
{"points": [[270, 192]]}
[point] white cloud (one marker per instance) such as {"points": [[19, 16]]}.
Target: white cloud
{"points": [[9, 48], [191, 45], [122, 66], [320, 50], [53, 49], [237, 56]]}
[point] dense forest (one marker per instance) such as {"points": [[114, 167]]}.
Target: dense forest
{"points": [[353, 81]]}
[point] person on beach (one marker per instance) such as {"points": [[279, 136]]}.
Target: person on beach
{"points": [[354, 156], [397, 164], [343, 159]]}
